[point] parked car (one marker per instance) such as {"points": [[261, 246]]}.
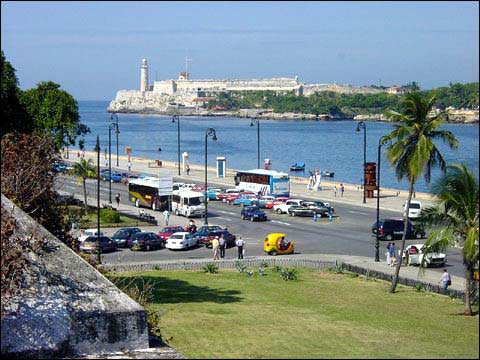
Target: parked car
{"points": [[223, 196], [253, 213], [414, 209], [89, 232], [212, 193], [283, 207], [319, 207], [302, 210], [90, 244], [277, 201], [205, 230], [413, 255], [146, 240], [391, 229], [167, 231], [245, 199], [180, 240], [124, 236], [207, 240], [264, 202]]}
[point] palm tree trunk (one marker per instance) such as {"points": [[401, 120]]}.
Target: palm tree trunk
{"points": [[405, 217], [468, 304], [85, 193]]}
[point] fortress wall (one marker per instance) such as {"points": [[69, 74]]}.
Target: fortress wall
{"points": [[342, 89]]}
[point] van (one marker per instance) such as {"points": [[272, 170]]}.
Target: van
{"points": [[392, 229], [188, 203], [414, 209]]}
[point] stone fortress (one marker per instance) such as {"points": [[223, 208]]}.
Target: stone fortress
{"points": [[185, 95]]}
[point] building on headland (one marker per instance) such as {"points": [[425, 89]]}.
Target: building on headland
{"points": [[165, 96]]}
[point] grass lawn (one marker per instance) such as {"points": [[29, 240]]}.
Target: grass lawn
{"points": [[320, 315]]}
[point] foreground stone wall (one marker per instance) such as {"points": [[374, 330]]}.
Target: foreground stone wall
{"points": [[65, 306]]}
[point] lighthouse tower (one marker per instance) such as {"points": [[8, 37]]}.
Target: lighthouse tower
{"points": [[144, 76]]}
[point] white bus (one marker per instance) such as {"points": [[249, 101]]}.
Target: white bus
{"points": [[263, 182], [188, 203]]}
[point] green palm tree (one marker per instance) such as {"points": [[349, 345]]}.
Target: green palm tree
{"points": [[84, 170], [412, 151], [456, 211]]}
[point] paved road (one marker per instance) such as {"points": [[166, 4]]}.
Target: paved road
{"points": [[348, 234]]}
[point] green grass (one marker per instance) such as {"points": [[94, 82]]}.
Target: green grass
{"points": [[90, 220], [320, 315]]}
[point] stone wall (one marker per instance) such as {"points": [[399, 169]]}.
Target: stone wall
{"points": [[65, 307]]}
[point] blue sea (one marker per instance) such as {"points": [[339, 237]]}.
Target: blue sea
{"points": [[323, 145]]}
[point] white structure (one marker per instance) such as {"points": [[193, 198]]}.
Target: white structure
{"points": [[144, 76]]}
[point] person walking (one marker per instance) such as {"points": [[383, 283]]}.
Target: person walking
{"points": [[240, 244], [166, 216], [129, 166], [389, 259], [342, 189], [223, 244], [335, 191], [216, 247], [315, 216], [117, 199], [330, 215], [445, 280], [391, 251], [188, 169]]}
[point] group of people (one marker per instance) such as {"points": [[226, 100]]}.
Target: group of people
{"points": [[219, 244]]}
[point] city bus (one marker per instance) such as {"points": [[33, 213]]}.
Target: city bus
{"points": [[147, 192], [263, 182]]}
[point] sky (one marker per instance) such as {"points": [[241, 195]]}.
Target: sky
{"points": [[94, 49]]}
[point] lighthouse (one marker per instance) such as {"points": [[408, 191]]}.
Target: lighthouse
{"points": [[144, 76]]}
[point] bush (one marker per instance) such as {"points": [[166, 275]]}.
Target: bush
{"points": [[109, 216], [288, 274], [210, 268]]}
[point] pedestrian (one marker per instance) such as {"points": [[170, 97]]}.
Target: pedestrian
{"points": [[223, 245], [315, 216], [159, 149], [389, 259], [335, 191], [215, 247], [391, 250], [330, 215], [166, 216], [129, 166], [342, 189], [117, 199], [240, 244], [188, 169], [445, 280]]}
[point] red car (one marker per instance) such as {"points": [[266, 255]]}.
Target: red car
{"points": [[167, 231], [278, 200]]}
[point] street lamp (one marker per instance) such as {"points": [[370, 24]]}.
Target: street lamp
{"points": [[112, 126], [97, 243], [361, 125], [381, 141], [257, 121], [176, 117], [117, 131], [210, 132]]}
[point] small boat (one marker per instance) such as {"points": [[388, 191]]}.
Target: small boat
{"points": [[298, 166], [328, 173]]}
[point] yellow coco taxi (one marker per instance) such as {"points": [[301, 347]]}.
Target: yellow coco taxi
{"points": [[275, 244]]}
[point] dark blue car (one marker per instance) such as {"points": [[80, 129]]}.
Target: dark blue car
{"points": [[253, 213]]}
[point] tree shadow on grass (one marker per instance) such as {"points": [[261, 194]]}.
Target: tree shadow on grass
{"points": [[171, 291]]}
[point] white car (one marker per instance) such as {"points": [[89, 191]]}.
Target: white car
{"points": [[415, 256], [180, 240], [87, 233], [414, 209], [282, 208]]}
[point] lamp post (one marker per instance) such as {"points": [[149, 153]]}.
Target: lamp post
{"points": [[111, 126], [210, 132], [176, 117], [97, 243], [117, 130], [381, 141], [257, 121], [361, 125]]}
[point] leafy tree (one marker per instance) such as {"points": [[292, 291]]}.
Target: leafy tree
{"points": [[413, 151], [14, 115], [84, 170], [54, 112], [456, 210]]}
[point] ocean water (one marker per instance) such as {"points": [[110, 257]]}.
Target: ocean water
{"points": [[323, 145]]}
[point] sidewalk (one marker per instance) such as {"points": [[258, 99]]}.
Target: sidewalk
{"points": [[390, 199]]}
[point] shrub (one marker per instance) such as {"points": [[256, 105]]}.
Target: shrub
{"points": [[210, 268], [288, 274], [241, 267], [109, 216]]}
